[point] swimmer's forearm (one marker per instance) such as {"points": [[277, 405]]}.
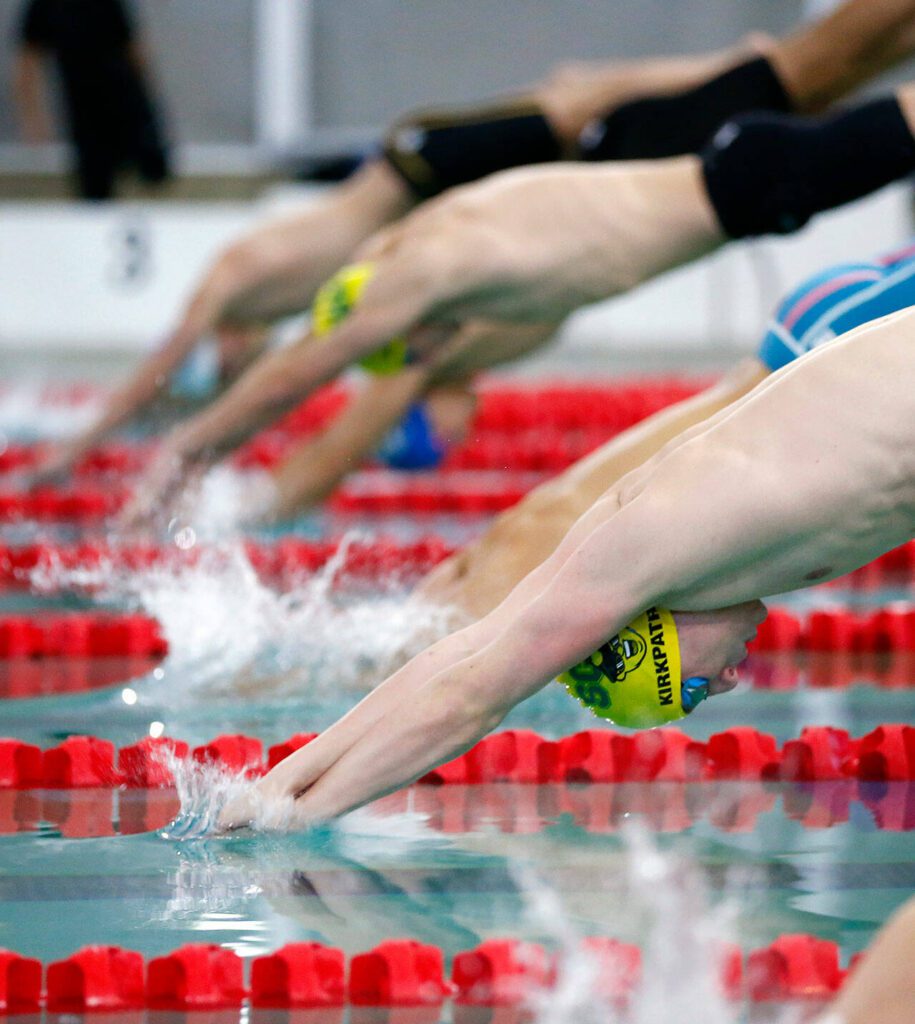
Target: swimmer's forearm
{"points": [[316, 466], [454, 710], [446, 717], [130, 398], [300, 770], [273, 385], [825, 60], [576, 93]]}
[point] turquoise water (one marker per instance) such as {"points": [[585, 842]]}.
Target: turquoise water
{"points": [[451, 865], [392, 873], [440, 864]]}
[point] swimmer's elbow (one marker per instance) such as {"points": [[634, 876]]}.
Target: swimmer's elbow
{"points": [[466, 707]]}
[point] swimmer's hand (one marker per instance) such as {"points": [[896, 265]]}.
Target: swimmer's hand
{"points": [[239, 812], [713, 644], [56, 465], [157, 492], [267, 804]]}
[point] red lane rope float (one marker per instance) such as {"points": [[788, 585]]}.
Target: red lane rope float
{"points": [[837, 629], [533, 427], [383, 493], [284, 562], [106, 634], [397, 972], [512, 808], [820, 753], [81, 635]]}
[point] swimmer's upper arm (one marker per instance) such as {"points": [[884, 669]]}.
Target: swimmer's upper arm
{"points": [[583, 605]]}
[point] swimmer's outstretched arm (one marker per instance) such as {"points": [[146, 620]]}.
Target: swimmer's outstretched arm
{"points": [[529, 246], [265, 274], [315, 466], [809, 476]]}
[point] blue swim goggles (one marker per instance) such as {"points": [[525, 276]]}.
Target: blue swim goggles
{"points": [[693, 692]]}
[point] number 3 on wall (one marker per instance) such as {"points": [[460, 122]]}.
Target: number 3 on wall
{"points": [[131, 263]]}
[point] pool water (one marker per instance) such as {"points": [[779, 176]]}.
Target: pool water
{"points": [[447, 865]]}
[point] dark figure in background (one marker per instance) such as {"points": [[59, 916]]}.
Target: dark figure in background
{"points": [[111, 119]]}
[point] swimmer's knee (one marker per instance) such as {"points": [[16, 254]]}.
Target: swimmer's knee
{"points": [[769, 174], [655, 127]]}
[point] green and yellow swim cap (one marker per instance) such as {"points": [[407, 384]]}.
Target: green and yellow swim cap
{"points": [[634, 679], [336, 300]]}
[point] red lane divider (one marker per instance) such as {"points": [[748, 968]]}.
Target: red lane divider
{"points": [[287, 560], [283, 563], [381, 493], [512, 808], [81, 505], [887, 753], [532, 427], [397, 972], [837, 629], [81, 635]]}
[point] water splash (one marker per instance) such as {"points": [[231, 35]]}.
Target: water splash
{"points": [[229, 633], [681, 953], [203, 791], [225, 501], [682, 959]]}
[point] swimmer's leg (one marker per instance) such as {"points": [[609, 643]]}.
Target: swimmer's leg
{"points": [[480, 576], [827, 59]]}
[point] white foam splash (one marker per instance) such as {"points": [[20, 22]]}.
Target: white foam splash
{"points": [[228, 632], [681, 961], [203, 790], [225, 501], [365, 833], [681, 966]]}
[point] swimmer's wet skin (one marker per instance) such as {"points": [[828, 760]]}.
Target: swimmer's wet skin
{"points": [[765, 173], [825, 306], [820, 309], [638, 110], [722, 519]]}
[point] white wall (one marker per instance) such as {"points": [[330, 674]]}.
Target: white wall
{"points": [[113, 277]]}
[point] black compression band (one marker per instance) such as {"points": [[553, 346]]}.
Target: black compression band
{"points": [[662, 126], [768, 174], [437, 151]]}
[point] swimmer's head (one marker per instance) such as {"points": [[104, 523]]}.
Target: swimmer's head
{"points": [[634, 679], [337, 298]]}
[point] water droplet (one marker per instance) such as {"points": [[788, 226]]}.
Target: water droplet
{"points": [[185, 538]]}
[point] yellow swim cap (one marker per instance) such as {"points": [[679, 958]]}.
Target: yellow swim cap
{"points": [[633, 680], [336, 300]]}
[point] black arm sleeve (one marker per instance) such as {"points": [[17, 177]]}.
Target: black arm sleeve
{"points": [[769, 174], [662, 126]]}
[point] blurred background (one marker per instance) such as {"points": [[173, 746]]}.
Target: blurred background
{"points": [[249, 104]]}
